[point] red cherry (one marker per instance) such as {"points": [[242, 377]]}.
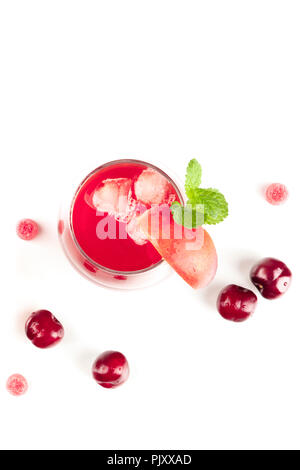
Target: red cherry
{"points": [[271, 277], [43, 329], [27, 229], [236, 303], [111, 369], [16, 385]]}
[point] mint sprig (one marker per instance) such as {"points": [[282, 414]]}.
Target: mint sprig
{"points": [[214, 204], [190, 216], [204, 206], [193, 176]]}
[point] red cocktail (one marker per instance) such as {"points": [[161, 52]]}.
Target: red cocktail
{"points": [[99, 230]]}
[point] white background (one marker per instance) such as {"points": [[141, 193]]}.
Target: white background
{"points": [[83, 82]]}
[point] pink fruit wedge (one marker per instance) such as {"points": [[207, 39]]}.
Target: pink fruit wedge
{"points": [[190, 252]]}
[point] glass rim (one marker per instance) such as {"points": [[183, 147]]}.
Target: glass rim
{"points": [[83, 182]]}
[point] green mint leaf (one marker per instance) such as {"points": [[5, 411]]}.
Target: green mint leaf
{"points": [[193, 176], [190, 216], [214, 203]]}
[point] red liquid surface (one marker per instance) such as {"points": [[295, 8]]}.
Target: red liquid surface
{"points": [[118, 254]]}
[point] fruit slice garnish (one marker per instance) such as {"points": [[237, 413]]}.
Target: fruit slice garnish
{"points": [[190, 252]]}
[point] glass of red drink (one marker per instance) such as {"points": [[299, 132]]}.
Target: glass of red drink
{"points": [[98, 227]]}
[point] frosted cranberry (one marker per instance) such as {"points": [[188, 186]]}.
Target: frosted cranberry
{"points": [[276, 193], [43, 329], [111, 369], [236, 303], [27, 229], [271, 277], [16, 385]]}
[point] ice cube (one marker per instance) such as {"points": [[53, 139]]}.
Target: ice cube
{"points": [[115, 197], [134, 231], [153, 188], [133, 226]]}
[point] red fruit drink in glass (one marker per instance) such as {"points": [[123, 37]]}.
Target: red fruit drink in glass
{"points": [[103, 234]]}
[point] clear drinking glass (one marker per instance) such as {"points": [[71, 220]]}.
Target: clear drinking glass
{"points": [[90, 269]]}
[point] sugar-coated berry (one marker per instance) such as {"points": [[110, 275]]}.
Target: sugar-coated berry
{"points": [[43, 329], [111, 369], [16, 385], [276, 193], [27, 229], [271, 277], [236, 303]]}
